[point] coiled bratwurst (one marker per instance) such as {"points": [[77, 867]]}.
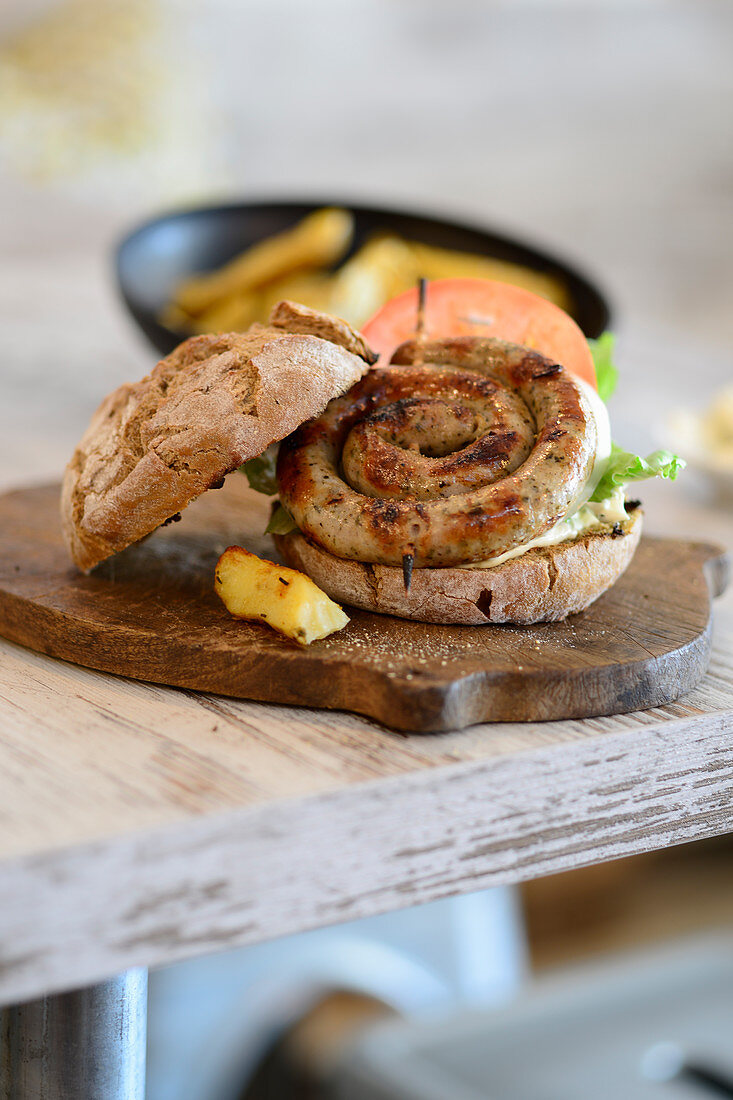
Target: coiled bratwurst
{"points": [[458, 451]]}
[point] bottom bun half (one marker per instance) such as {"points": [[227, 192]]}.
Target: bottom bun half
{"points": [[543, 585]]}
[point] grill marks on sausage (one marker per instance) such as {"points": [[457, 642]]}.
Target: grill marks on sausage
{"points": [[491, 448], [495, 518], [548, 372], [381, 514], [458, 432], [366, 482]]}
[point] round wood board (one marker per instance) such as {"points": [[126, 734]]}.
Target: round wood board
{"points": [[151, 613]]}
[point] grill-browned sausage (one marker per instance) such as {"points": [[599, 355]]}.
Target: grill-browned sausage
{"points": [[480, 448]]}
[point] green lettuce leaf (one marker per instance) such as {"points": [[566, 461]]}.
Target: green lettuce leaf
{"points": [[624, 467], [260, 471], [281, 522], [606, 371]]}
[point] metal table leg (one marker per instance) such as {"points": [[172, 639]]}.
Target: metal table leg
{"points": [[84, 1045]]}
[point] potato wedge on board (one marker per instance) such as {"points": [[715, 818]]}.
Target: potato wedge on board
{"points": [[256, 589]]}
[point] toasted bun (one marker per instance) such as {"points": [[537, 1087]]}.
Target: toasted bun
{"points": [[544, 584], [212, 404]]}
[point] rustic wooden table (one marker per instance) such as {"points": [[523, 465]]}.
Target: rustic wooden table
{"points": [[143, 825]]}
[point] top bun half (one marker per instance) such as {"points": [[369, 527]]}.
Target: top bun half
{"points": [[216, 401]]}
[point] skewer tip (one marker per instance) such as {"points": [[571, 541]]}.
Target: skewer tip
{"points": [[422, 294]]}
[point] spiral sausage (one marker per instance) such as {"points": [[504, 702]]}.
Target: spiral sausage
{"points": [[480, 448]]}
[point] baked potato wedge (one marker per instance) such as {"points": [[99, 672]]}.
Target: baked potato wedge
{"points": [[288, 601]]}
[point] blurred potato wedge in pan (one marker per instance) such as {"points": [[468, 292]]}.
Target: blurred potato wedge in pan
{"points": [[302, 264]]}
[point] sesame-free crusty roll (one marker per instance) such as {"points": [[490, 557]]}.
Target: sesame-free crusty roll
{"points": [[216, 401]]}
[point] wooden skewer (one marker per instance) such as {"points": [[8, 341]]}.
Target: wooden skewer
{"points": [[422, 294], [408, 560]]}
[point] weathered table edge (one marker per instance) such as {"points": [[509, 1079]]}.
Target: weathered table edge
{"points": [[73, 916]]}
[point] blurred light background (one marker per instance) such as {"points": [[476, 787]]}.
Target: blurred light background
{"points": [[598, 130]]}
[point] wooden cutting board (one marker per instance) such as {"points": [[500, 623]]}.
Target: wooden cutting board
{"points": [[151, 613]]}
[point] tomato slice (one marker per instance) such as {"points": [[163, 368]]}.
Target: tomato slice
{"points": [[478, 307]]}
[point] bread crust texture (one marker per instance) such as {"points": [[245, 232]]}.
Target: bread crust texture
{"points": [[544, 584], [216, 401]]}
